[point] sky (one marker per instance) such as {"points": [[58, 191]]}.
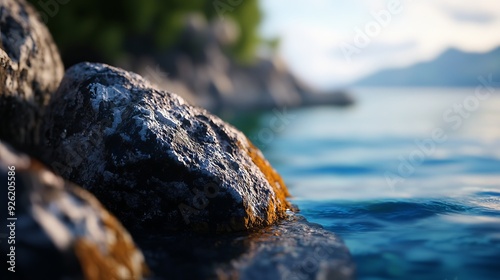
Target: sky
{"points": [[331, 43]]}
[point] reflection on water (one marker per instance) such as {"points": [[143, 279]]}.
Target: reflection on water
{"points": [[440, 218]]}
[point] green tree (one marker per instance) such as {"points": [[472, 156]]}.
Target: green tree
{"points": [[113, 28]]}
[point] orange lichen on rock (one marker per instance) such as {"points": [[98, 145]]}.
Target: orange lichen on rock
{"points": [[120, 259], [278, 204]]}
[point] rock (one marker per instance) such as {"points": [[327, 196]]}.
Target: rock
{"points": [[294, 249], [30, 71], [339, 97], [61, 231], [291, 250], [156, 162], [224, 31]]}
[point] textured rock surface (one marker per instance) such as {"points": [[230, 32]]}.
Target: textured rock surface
{"points": [[291, 250], [157, 162], [30, 71], [61, 230]]}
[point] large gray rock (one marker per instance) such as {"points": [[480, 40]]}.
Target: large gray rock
{"points": [[57, 230], [156, 162], [291, 250], [30, 71]]}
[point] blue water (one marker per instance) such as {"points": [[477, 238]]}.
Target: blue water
{"points": [[437, 217]]}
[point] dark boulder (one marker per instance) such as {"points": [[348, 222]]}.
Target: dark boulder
{"points": [[30, 71], [155, 161], [58, 230]]}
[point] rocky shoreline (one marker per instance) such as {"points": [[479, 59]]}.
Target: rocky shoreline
{"points": [[198, 68], [198, 198]]}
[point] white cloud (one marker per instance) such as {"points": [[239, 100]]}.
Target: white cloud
{"points": [[311, 32]]}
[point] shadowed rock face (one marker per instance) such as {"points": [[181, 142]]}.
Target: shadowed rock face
{"points": [[62, 231], [157, 162], [293, 249], [30, 71]]}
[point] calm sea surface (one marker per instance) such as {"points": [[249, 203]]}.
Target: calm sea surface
{"points": [[408, 206]]}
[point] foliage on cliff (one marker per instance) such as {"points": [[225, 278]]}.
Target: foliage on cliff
{"points": [[109, 29]]}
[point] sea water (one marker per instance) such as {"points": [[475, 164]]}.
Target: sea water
{"points": [[409, 178]]}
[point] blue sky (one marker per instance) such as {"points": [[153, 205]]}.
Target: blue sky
{"points": [[318, 37]]}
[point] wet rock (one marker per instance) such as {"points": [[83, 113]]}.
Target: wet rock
{"points": [[156, 162], [61, 231], [30, 71], [291, 250]]}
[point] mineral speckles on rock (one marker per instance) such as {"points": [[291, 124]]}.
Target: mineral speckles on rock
{"points": [[30, 72], [150, 156], [104, 94], [62, 231]]}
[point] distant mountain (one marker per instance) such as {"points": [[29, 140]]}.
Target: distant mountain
{"points": [[453, 68]]}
